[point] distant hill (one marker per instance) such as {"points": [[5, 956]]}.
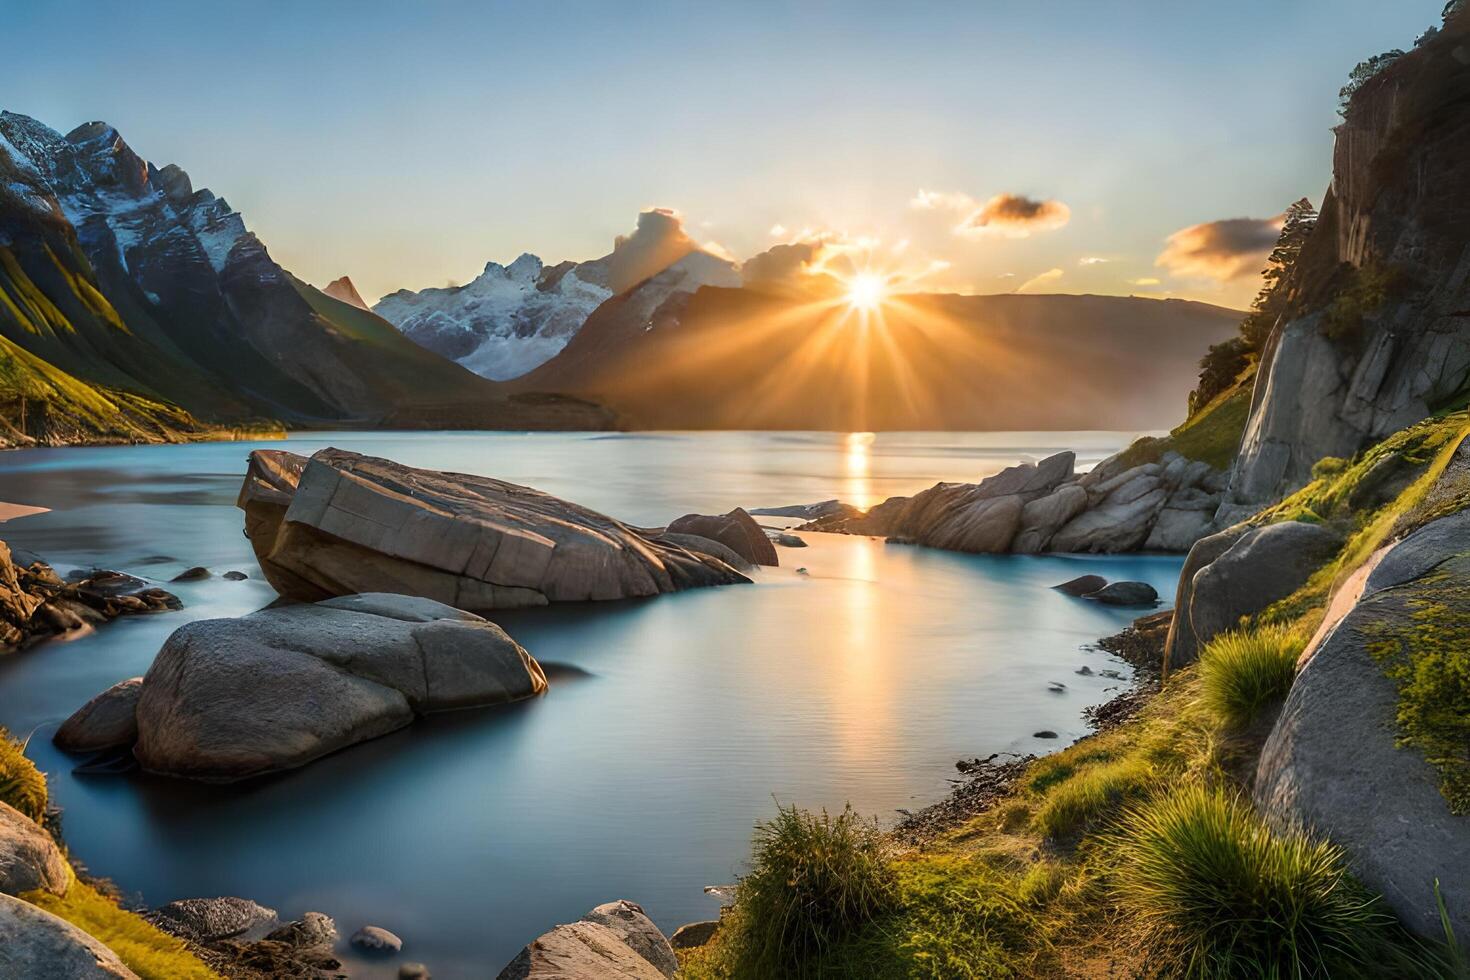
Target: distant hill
{"points": [[118, 274], [745, 358]]}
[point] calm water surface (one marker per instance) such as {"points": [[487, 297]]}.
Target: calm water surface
{"points": [[642, 771]]}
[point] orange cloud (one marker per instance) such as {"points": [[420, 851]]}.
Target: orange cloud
{"points": [[1015, 216], [1233, 248]]}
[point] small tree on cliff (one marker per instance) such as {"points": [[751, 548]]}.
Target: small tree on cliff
{"points": [[1223, 363], [1363, 71], [1297, 225]]}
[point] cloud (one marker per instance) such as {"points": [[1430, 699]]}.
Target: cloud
{"points": [[782, 264], [1011, 215], [1092, 260], [1234, 248], [778, 230], [1014, 216], [1145, 281], [1044, 279], [658, 241]]}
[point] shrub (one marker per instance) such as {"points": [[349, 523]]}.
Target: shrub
{"points": [[816, 881], [1220, 895], [21, 783], [1366, 290], [1243, 671]]}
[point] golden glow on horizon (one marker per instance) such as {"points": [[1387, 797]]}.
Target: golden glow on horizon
{"points": [[867, 291]]}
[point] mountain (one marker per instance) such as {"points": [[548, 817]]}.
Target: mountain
{"points": [[119, 274], [343, 289], [511, 319], [1376, 334], [663, 356]]}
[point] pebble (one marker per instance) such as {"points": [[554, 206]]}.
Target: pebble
{"points": [[1044, 733], [1056, 687], [191, 575], [376, 938]]}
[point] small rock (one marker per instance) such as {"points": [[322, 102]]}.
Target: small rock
{"points": [[314, 929], [1085, 670], [1056, 687], [1111, 675], [191, 575], [413, 971], [1126, 594], [107, 721], [376, 939], [789, 540], [1044, 733], [802, 571], [1082, 585], [695, 934], [235, 576], [206, 920]]}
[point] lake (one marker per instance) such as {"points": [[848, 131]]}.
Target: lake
{"points": [[672, 724]]}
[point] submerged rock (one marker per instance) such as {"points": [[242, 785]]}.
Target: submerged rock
{"points": [[1081, 585], [227, 699], [613, 940], [36, 603], [340, 523], [376, 939], [788, 540], [108, 721], [36, 944], [1126, 594], [195, 574]]}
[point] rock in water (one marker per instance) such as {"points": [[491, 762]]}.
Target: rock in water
{"points": [[340, 523], [29, 858], [736, 530], [36, 944], [613, 940], [1081, 585], [227, 699], [108, 721], [1126, 594], [376, 939]]}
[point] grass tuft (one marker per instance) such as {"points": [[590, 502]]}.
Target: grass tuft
{"points": [[816, 880], [1221, 895], [1243, 671], [21, 784]]}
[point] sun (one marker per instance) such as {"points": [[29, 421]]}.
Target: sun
{"points": [[866, 291]]}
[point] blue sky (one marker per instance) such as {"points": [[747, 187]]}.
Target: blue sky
{"points": [[405, 144]]}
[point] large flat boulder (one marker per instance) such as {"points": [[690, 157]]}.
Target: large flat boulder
{"points": [[36, 944], [615, 941], [340, 523], [1336, 760], [227, 699], [29, 858]]}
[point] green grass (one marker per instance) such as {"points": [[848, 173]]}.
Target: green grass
{"points": [[1220, 895], [21, 784], [148, 951], [1091, 796], [1213, 433], [1244, 671]]}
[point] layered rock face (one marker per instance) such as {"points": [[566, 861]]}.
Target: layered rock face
{"points": [[227, 699], [1044, 507], [613, 940], [341, 523], [1396, 213], [1334, 761]]}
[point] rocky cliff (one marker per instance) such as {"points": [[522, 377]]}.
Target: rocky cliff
{"points": [[1377, 330]]}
